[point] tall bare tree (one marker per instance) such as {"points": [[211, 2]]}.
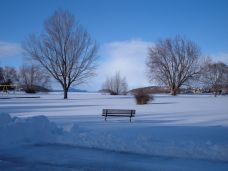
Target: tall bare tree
{"points": [[65, 50], [174, 62], [115, 85], [215, 76]]}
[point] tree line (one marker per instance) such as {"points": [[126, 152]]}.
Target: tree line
{"points": [[66, 52], [175, 63], [178, 62], [30, 78]]}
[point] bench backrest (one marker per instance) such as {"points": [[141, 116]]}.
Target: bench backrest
{"points": [[118, 112]]}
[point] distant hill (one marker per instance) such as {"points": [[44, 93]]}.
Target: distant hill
{"points": [[76, 90], [70, 90], [34, 89], [151, 89]]}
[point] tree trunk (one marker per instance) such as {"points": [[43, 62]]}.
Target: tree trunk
{"points": [[65, 90], [65, 93], [174, 91], [215, 91]]}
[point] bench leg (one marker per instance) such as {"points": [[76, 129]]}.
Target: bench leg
{"points": [[106, 116], [131, 116]]}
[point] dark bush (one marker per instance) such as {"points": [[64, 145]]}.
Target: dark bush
{"points": [[30, 90], [142, 97]]}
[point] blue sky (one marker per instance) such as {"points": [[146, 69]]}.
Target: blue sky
{"points": [[120, 23]]}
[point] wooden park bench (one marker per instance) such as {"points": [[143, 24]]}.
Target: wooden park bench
{"points": [[118, 113]]}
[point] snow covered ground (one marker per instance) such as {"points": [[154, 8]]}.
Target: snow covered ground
{"points": [[187, 132]]}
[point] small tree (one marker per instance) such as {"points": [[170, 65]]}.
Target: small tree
{"points": [[65, 50], [173, 62], [115, 85], [10, 73], [215, 76], [1, 75], [8, 76], [31, 77]]}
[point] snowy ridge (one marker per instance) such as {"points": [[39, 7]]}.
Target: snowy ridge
{"points": [[207, 143], [17, 131], [183, 142]]}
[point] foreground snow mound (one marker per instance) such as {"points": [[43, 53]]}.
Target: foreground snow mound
{"points": [[207, 143], [5, 119], [16, 131]]}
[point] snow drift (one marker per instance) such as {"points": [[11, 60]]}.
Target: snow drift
{"points": [[207, 143], [17, 131]]}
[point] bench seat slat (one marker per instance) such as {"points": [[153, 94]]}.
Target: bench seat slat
{"points": [[118, 111], [118, 115]]}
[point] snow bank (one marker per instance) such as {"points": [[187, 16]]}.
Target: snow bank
{"points": [[5, 119], [209, 143], [16, 131]]}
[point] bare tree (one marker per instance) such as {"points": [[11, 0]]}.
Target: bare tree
{"points": [[174, 62], [1, 75], [115, 85], [31, 77], [215, 76], [65, 50], [8, 75]]}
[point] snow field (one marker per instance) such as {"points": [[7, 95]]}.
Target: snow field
{"points": [[186, 127]]}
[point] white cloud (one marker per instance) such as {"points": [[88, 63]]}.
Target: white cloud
{"points": [[9, 49], [128, 57], [220, 57]]}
